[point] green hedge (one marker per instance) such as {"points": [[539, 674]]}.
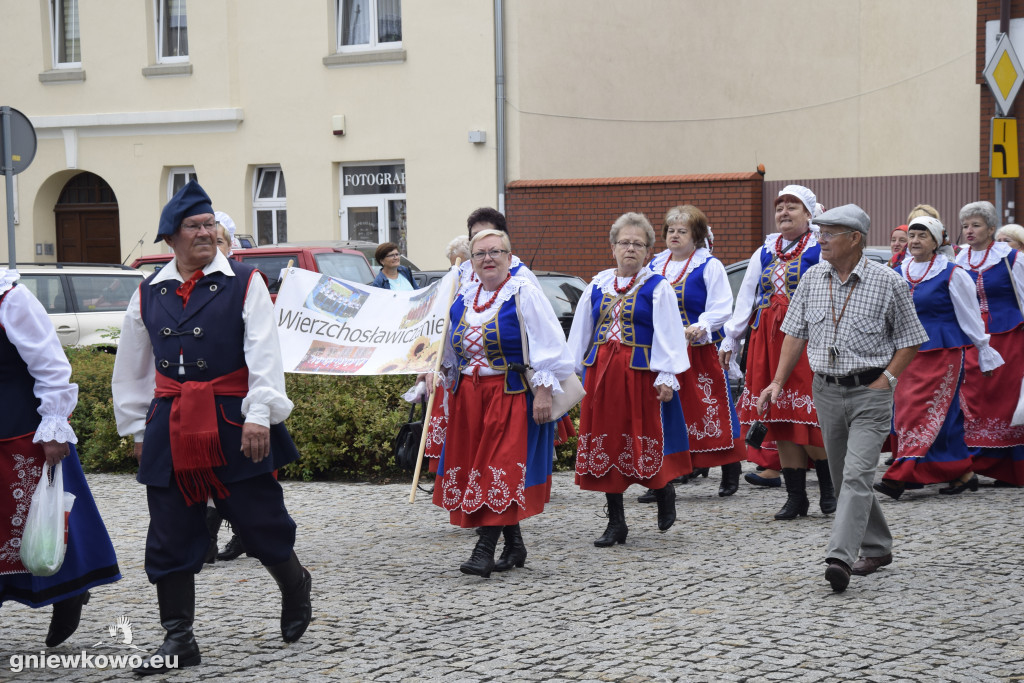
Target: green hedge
{"points": [[342, 426]]}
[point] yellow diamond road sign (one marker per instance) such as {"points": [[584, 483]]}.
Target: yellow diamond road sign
{"points": [[1004, 73]]}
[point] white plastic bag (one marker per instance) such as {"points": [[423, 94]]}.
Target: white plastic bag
{"points": [[46, 529]]}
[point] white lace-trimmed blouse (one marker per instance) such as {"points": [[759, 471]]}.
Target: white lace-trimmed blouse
{"points": [[718, 306], [30, 330], [668, 356]]}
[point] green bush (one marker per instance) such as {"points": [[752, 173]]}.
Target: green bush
{"points": [[342, 426]]}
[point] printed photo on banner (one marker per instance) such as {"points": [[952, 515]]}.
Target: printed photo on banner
{"points": [[336, 327]]}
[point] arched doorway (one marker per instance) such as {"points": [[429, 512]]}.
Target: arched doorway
{"points": [[88, 227]]}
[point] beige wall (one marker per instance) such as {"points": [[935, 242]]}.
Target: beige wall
{"points": [[265, 62], [809, 88]]}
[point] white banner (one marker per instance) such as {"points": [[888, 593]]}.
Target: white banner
{"points": [[329, 326]]}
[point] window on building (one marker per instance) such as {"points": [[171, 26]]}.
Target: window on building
{"points": [[269, 205], [373, 203], [369, 24], [171, 31], [178, 177], [64, 33]]}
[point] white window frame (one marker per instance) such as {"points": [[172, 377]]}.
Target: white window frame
{"points": [[381, 201], [161, 18], [57, 33], [272, 204], [188, 171], [373, 43]]}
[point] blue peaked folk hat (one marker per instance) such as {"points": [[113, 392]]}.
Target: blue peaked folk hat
{"points": [[190, 200]]}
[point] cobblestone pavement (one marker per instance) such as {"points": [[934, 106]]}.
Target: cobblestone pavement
{"points": [[727, 594]]}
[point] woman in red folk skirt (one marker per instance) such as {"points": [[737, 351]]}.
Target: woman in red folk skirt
{"points": [[495, 466], [625, 339], [704, 298], [771, 279]]}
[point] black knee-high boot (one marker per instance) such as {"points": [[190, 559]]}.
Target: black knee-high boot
{"points": [[65, 618], [514, 552], [730, 479], [296, 604], [481, 562], [825, 490], [666, 506], [617, 529], [796, 491], [176, 596]]}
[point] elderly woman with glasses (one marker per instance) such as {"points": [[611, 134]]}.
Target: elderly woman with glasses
{"points": [[626, 340], [704, 298], [990, 406], [927, 418], [392, 275], [771, 279], [495, 467]]}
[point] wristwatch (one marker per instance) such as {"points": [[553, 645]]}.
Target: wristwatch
{"points": [[892, 379]]}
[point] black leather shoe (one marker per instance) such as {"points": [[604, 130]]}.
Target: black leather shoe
{"points": [[869, 565], [65, 619], [888, 489], [514, 552], [796, 504], [232, 550], [826, 492], [481, 561], [700, 472], [647, 497], [616, 530], [957, 487], [176, 596], [838, 575], [296, 603]]}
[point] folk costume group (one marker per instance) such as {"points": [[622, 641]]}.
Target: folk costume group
{"points": [[198, 383]]}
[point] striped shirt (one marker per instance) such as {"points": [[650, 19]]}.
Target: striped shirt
{"points": [[879, 318]]}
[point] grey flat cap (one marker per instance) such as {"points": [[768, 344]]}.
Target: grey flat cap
{"points": [[848, 215]]}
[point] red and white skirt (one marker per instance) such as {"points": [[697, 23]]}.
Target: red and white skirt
{"points": [[627, 436], [711, 422]]}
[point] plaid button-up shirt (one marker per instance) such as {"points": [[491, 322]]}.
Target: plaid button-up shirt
{"points": [[879, 318]]}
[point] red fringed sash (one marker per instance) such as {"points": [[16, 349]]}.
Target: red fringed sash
{"points": [[195, 439]]}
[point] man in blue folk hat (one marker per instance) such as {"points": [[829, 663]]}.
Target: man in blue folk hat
{"points": [[198, 382]]}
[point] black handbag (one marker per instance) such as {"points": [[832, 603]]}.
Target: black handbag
{"points": [[406, 444]]}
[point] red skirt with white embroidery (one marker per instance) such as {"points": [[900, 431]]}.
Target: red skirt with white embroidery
{"points": [[710, 417], [496, 465], [793, 417], [627, 436], [437, 427]]}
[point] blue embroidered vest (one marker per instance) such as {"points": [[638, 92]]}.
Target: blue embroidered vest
{"points": [[996, 291], [794, 271], [935, 311], [636, 322], [692, 297], [20, 414], [502, 341]]}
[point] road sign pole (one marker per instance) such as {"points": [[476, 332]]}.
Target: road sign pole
{"points": [[5, 113]]}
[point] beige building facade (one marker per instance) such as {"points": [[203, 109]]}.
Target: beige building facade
{"points": [[353, 119]]}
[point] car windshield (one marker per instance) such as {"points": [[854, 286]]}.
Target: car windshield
{"points": [[344, 267]]}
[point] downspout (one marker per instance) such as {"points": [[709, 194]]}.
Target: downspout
{"points": [[499, 91], [1010, 189]]}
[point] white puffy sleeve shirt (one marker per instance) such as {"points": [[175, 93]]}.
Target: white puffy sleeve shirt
{"points": [[134, 379], [30, 330]]}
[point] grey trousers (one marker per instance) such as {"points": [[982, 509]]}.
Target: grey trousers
{"points": [[854, 423]]}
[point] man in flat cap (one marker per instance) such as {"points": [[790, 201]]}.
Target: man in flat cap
{"points": [[857, 320], [198, 382]]}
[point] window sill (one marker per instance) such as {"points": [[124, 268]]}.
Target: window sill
{"points": [[157, 70], [363, 58], [62, 76]]}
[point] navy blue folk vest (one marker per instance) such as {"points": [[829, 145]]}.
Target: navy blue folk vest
{"points": [[935, 311], [502, 340], [636, 322], [20, 414]]}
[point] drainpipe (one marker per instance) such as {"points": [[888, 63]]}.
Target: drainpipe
{"points": [[1009, 190], [499, 91]]}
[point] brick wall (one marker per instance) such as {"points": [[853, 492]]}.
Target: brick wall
{"points": [[563, 224], [988, 10]]}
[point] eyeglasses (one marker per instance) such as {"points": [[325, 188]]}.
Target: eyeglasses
{"points": [[393, 254], [190, 227], [827, 236], [493, 254], [626, 244]]}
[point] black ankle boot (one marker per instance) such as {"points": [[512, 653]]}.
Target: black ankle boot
{"points": [[212, 528], [296, 604], [730, 479], [796, 490], [666, 506], [514, 552], [481, 562], [617, 529], [232, 550], [176, 595], [648, 496], [66, 616], [825, 490]]}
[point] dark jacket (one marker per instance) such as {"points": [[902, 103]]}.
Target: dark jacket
{"points": [[382, 280]]}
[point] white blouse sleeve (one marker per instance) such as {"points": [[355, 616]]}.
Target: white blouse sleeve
{"points": [[30, 330], [718, 306], [668, 349], [528, 274], [549, 354], [134, 379], [267, 402], [582, 330], [964, 295], [736, 328], [1018, 278]]}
